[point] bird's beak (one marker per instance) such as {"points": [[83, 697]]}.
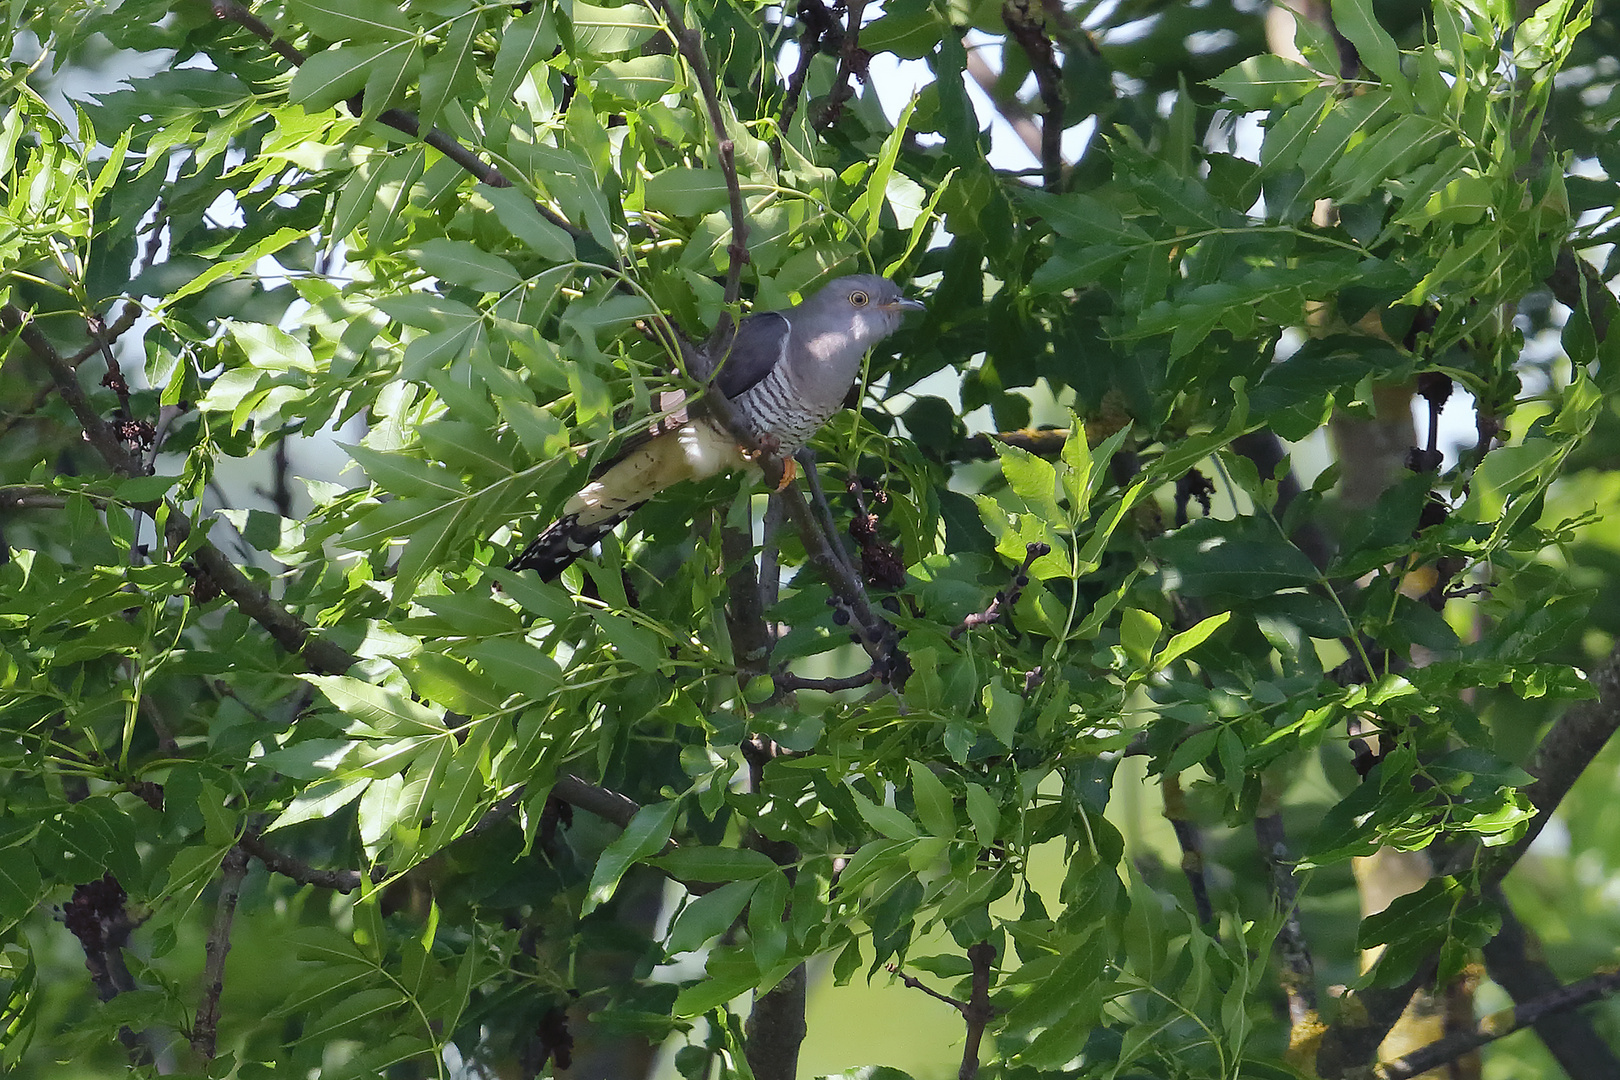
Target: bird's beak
{"points": [[903, 305]]}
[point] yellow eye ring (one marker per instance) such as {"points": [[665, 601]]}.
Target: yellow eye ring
{"points": [[859, 298]]}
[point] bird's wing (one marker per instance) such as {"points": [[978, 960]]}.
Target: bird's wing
{"points": [[759, 344], [669, 415]]}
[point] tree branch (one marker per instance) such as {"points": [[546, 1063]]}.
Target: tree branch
{"points": [[278, 862], [852, 61], [776, 1026], [1026, 26], [1192, 846], [787, 682], [1564, 753], [690, 44], [1569, 1036], [291, 632], [1498, 1024], [205, 1032], [1042, 442], [398, 119], [1012, 110], [1365, 1017], [979, 1012], [817, 23], [1299, 977]]}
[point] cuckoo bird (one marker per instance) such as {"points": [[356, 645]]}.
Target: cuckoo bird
{"points": [[785, 373]]}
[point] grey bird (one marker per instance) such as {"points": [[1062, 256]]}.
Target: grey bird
{"points": [[785, 373]]}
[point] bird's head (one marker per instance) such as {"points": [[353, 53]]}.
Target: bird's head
{"points": [[871, 307]]}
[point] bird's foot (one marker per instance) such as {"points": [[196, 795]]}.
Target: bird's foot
{"points": [[770, 446]]}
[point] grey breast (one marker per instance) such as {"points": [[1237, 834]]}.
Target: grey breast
{"points": [[778, 407]]}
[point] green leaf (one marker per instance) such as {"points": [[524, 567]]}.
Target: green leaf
{"points": [[353, 20], [729, 974], [1003, 708], [517, 665], [389, 75], [452, 72], [449, 682], [1189, 639], [1033, 479], [1080, 965], [886, 820], [706, 863], [934, 804], [1071, 267], [708, 916], [606, 31], [336, 74], [646, 835], [1267, 81], [381, 710], [321, 799], [364, 1008], [1357, 20], [527, 40], [459, 795], [685, 192], [638, 646], [984, 814], [1084, 219], [517, 212], [20, 886], [269, 245], [641, 79], [1139, 633], [868, 207], [462, 263], [405, 475]]}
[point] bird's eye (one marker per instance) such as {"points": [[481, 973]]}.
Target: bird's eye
{"points": [[859, 298]]}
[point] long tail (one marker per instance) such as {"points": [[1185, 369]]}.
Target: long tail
{"points": [[693, 450], [565, 540]]}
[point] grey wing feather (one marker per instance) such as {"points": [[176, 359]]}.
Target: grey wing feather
{"points": [[758, 345]]}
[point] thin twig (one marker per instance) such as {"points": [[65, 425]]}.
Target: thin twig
{"points": [[874, 632], [806, 457], [690, 44], [1493, 1027], [205, 1032], [292, 633], [1007, 599], [916, 984], [101, 434]]}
